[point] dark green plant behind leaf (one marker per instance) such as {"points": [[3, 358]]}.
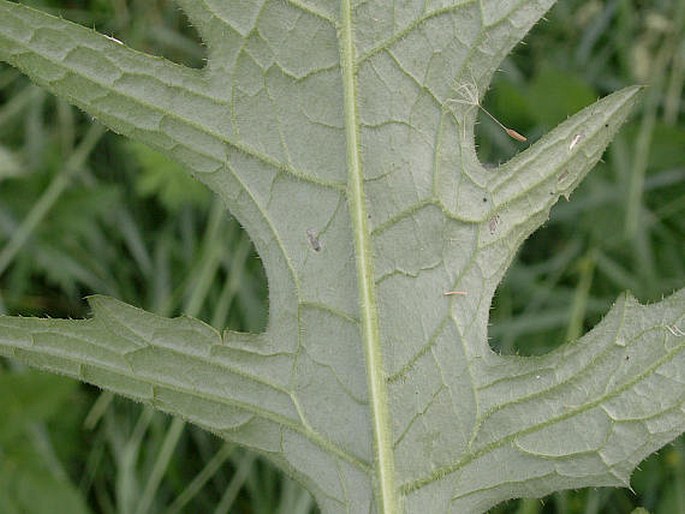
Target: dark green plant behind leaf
{"points": [[166, 180], [27, 484], [555, 93]]}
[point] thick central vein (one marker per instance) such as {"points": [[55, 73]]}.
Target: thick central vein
{"points": [[378, 393]]}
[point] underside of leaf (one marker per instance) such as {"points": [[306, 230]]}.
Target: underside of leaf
{"points": [[341, 136]]}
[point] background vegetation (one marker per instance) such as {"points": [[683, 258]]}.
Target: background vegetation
{"points": [[84, 211]]}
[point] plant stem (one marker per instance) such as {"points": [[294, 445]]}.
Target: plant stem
{"points": [[378, 395], [50, 196]]}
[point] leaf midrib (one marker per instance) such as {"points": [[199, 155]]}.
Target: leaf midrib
{"points": [[386, 493]]}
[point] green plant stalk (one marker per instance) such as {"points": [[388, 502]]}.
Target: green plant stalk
{"points": [[673, 96], [210, 468], [19, 102], [237, 481], [580, 298], [197, 289], [173, 435], [126, 454], [98, 410], [50, 196], [644, 139], [45, 448], [235, 274]]}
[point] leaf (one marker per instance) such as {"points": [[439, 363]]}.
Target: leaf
{"points": [[20, 483], [25, 399], [26, 483], [341, 137]]}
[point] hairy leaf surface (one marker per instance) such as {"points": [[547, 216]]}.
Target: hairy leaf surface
{"points": [[340, 134]]}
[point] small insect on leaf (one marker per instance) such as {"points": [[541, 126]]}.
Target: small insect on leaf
{"points": [[455, 293], [675, 330], [494, 223], [576, 139], [313, 238]]}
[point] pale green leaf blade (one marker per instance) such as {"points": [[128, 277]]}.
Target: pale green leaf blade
{"points": [[161, 361], [231, 385], [341, 136], [520, 193], [583, 415]]}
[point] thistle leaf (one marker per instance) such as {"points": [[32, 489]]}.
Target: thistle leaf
{"points": [[340, 135]]}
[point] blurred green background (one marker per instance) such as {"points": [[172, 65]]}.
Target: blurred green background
{"points": [[85, 211]]}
